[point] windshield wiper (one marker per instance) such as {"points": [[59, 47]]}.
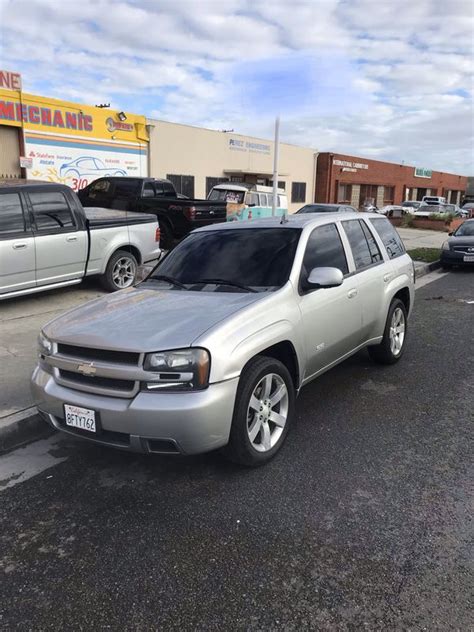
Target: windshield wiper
{"points": [[224, 282], [168, 279]]}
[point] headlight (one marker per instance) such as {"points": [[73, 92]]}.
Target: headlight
{"points": [[45, 346], [180, 370], [445, 245]]}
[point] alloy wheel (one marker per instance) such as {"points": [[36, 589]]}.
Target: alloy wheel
{"points": [[397, 331], [124, 271], [267, 412]]}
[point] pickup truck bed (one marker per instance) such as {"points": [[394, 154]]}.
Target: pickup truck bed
{"points": [[105, 218]]}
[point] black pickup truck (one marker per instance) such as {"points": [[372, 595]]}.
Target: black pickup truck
{"points": [[177, 215]]}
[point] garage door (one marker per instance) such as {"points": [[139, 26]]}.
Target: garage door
{"points": [[9, 152]]}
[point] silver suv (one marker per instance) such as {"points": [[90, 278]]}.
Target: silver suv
{"points": [[213, 348]]}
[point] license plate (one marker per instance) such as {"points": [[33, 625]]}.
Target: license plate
{"points": [[469, 258], [82, 418]]}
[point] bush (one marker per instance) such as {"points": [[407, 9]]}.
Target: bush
{"points": [[408, 220]]}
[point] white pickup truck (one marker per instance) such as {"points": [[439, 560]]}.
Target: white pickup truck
{"points": [[47, 239]]}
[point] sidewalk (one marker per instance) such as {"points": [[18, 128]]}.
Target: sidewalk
{"points": [[21, 320]]}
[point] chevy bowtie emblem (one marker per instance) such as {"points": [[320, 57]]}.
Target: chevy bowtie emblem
{"points": [[87, 369]]}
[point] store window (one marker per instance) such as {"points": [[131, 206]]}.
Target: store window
{"points": [[182, 184], [344, 193], [368, 194], [388, 195], [298, 192]]}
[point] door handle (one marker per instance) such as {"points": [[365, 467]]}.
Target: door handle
{"points": [[352, 293], [19, 246], [72, 238], [387, 278]]}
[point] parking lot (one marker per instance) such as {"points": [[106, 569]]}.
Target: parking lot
{"points": [[361, 522]]}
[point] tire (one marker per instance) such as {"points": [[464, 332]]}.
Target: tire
{"points": [[121, 271], [166, 236], [392, 347], [254, 437]]}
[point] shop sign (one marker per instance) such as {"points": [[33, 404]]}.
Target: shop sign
{"points": [[420, 172], [241, 145], [10, 80], [63, 119], [351, 165], [118, 126], [25, 162]]}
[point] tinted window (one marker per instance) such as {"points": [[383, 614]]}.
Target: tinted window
{"points": [[363, 254], [373, 248], [99, 187], [465, 230], [148, 190], [168, 189], [125, 188], [258, 258], [11, 214], [325, 249], [51, 211], [389, 236]]}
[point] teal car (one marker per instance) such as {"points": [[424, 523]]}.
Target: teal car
{"points": [[248, 201]]}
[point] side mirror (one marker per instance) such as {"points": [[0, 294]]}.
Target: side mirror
{"points": [[324, 278], [449, 234]]}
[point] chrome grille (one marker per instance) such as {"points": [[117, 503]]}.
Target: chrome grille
{"points": [[98, 371]]}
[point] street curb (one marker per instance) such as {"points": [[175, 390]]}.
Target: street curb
{"points": [[21, 428], [420, 271]]}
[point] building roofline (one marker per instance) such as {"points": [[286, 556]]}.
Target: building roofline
{"points": [[151, 121]]}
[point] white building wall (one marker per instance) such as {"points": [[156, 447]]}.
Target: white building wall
{"points": [[177, 149]]}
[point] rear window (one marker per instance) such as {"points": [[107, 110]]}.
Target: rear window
{"points": [[389, 236]]}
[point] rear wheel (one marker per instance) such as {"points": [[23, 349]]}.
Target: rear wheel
{"points": [[121, 271], [391, 349], [263, 412]]}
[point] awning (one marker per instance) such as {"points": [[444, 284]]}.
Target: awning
{"points": [[253, 172]]}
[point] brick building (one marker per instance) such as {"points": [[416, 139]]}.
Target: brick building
{"points": [[353, 180]]}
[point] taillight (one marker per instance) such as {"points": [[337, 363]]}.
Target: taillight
{"points": [[190, 213], [157, 234]]}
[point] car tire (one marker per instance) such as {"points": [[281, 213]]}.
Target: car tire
{"points": [[392, 347], [166, 236], [259, 428], [121, 271]]}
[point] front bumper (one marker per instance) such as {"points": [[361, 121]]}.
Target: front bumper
{"points": [[454, 257], [179, 423]]}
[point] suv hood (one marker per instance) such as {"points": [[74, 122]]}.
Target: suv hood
{"points": [[146, 319]]}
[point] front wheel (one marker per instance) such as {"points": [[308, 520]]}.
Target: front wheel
{"points": [[121, 271], [263, 412], [391, 349]]}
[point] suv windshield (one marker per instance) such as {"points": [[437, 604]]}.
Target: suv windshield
{"points": [[257, 258], [465, 230]]}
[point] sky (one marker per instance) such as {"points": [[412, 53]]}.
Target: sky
{"points": [[384, 79]]}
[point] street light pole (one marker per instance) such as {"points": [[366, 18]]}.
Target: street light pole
{"points": [[276, 151]]}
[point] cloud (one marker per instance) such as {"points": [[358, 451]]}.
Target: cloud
{"points": [[382, 79]]}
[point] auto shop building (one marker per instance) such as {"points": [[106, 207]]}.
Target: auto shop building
{"points": [[50, 139], [196, 159], [353, 180]]}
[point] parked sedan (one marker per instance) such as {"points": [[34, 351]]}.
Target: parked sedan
{"points": [[459, 248], [327, 208]]}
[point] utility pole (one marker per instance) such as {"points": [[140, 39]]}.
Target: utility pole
{"points": [[276, 151]]}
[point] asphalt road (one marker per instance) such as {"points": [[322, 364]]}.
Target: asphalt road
{"points": [[362, 521]]}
